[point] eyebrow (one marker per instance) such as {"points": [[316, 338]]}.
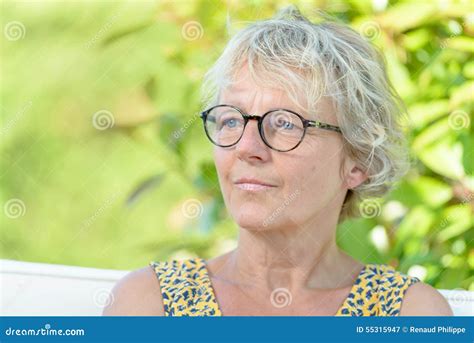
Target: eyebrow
{"points": [[241, 105]]}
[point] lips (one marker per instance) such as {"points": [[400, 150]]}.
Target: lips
{"points": [[253, 182], [253, 187]]}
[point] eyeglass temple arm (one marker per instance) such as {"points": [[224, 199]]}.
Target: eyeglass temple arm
{"points": [[324, 126]]}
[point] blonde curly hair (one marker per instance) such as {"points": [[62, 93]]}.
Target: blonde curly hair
{"points": [[325, 59]]}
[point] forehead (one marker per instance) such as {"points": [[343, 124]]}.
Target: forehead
{"points": [[253, 97], [250, 95], [245, 91]]}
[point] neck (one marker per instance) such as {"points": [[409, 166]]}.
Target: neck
{"points": [[297, 257]]}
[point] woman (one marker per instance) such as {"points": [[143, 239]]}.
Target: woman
{"points": [[305, 125]]}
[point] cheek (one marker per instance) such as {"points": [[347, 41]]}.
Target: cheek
{"points": [[221, 159], [318, 173], [325, 156], [325, 171], [222, 164]]}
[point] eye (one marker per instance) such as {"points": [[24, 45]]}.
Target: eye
{"points": [[229, 122], [285, 125], [282, 122]]}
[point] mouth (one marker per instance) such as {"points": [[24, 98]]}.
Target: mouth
{"points": [[253, 185]]}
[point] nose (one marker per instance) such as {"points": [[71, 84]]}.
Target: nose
{"points": [[251, 146]]}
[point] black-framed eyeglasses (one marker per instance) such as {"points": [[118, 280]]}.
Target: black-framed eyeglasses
{"points": [[280, 129]]}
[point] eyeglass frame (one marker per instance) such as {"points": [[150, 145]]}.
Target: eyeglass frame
{"points": [[247, 117]]}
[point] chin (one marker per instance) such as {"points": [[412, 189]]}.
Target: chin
{"points": [[252, 227], [253, 220]]}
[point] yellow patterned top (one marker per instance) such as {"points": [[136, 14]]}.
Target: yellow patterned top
{"points": [[187, 290]]}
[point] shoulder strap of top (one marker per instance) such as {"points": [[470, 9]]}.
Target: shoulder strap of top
{"points": [[186, 288], [392, 288], [378, 291]]}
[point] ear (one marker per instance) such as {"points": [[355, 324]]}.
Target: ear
{"points": [[353, 174]]}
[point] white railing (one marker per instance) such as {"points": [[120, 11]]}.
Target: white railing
{"points": [[39, 289]]}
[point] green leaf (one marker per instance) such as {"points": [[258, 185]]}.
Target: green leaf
{"points": [[399, 74], [151, 87], [414, 226], [406, 194], [426, 112], [438, 149], [422, 190], [404, 16], [464, 94], [126, 32], [467, 141], [171, 131], [144, 187], [353, 237], [445, 158], [433, 192], [456, 220], [452, 278], [461, 44], [207, 179], [431, 135], [416, 39], [468, 70], [420, 259]]}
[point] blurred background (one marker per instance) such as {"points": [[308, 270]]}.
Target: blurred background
{"points": [[104, 162]]}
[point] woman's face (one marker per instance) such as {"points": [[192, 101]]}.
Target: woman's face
{"points": [[305, 182]]}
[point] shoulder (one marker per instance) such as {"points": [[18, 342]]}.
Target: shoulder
{"points": [[136, 294], [405, 295], [423, 300]]}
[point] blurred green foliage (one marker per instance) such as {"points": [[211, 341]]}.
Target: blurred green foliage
{"points": [[105, 164]]}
